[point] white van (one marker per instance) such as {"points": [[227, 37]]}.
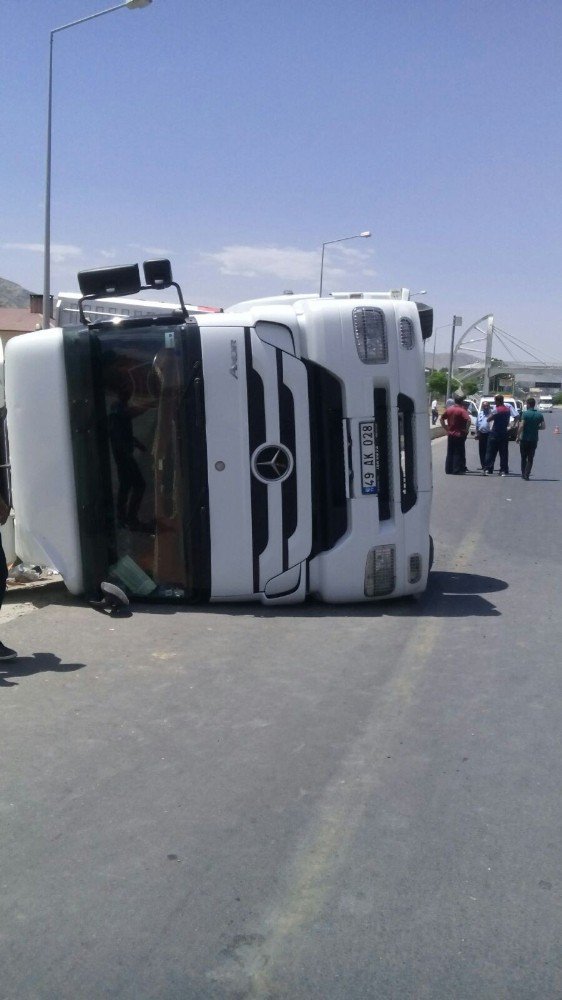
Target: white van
{"points": [[545, 404], [272, 451]]}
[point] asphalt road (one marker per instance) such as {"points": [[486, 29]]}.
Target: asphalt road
{"points": [[325, 803]]}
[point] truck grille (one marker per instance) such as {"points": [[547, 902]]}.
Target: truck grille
{"points": [[258, 435], [329, 502]]}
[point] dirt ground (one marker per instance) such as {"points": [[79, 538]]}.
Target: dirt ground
{"points": [[21, 598]]}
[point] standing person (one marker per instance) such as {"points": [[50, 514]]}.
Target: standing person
{"points": [[456, 421], [482, 431], [434, 413], [497, 438], [123, 443], [466, 407], [5, 652], [528, 435], [514, 412]]}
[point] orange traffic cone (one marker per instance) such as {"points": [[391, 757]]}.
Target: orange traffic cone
{"points": [[556, 430]]}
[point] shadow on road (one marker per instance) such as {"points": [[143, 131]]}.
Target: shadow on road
{"points": [[454, 595], [459, 595], [38, 663], [464, 583]]}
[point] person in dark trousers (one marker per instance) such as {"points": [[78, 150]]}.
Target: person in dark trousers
{"points": [[456, 421], [528, 435], [466, 407], [498, 440], [123, 443], [5, 652], [482, 432]]}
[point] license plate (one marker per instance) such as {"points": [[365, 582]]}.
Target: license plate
{"points": [[367, 449]]}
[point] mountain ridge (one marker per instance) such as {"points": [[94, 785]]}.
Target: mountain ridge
{"points": [[442, 360], [12, 295]]}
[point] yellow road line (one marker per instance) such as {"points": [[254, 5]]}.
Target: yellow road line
{"points": [[322, 852]]}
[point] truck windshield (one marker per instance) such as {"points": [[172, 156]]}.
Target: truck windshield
{"points": [[150, 391]]}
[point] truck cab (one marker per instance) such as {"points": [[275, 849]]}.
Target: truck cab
{"points": [[276, 450]]}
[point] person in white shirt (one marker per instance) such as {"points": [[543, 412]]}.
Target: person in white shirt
{"points": [[434, 412], [482, 431]]}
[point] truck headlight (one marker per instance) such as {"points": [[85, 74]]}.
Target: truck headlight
{"points": [[380, 577], [369, 329], [407, 339]]}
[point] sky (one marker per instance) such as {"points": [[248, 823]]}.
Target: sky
{"points": [[236, 138]]}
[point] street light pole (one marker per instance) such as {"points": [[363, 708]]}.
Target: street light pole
{"points": [[357, 236], [132, 5], [435, 332], [457, 321], [47, 244], [488, 355]]}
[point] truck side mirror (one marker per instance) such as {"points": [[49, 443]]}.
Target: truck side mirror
{"points": [[102, 282], [158, 273], [426, 319]]}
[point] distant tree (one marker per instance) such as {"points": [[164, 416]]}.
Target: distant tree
{"points": [[470, 387], [437, 383], [557, 399]]}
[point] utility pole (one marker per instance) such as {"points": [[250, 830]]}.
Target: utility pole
{"points": [[131, 4], [488, 357], [457, 321]]}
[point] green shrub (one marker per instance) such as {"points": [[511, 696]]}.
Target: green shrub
{"points": [[437, 383]]}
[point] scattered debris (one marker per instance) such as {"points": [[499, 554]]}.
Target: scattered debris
{"points": [[20, 573]]}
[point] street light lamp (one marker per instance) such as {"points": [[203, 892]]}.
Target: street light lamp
{"points": [[132, 4], [357, 236]]}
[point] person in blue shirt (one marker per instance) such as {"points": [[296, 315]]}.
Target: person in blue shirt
{"points": [[528, 436], [498, 437]]}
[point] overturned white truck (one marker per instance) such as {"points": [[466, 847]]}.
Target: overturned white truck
{"points": [[276, 450]]}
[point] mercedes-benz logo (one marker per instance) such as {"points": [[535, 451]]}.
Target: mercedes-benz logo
{"points": [[272, 463]]}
